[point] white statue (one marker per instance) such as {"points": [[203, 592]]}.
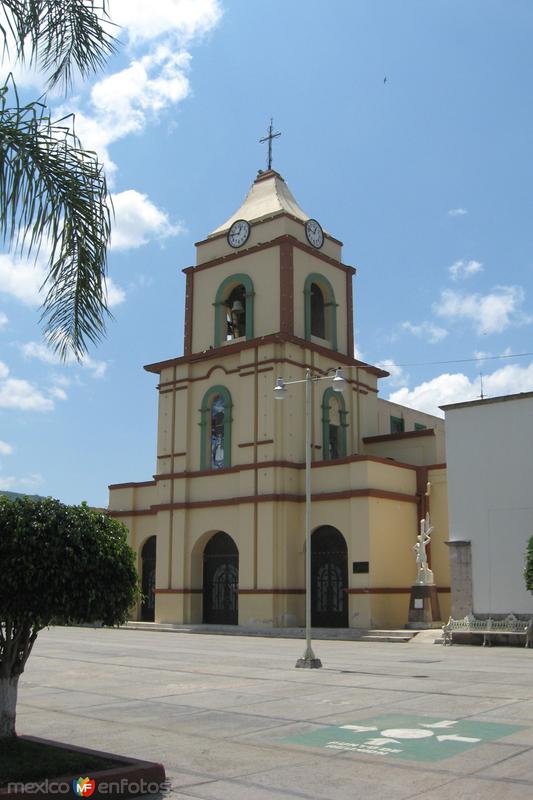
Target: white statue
{"points": [[424, 575]]}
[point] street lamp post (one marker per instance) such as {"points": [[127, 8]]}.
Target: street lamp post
{"points": [[308, 660]]}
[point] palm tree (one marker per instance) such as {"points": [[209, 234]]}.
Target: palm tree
{"points": [[53, 193]]}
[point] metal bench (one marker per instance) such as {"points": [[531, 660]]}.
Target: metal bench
{"points": [[488, 628]]}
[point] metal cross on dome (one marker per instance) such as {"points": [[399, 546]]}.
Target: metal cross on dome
{"points": [[268, 139]]}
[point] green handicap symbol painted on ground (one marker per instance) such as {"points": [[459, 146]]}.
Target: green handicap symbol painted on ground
{"points": [[417, 738]]}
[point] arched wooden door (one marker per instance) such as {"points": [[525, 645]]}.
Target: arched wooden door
{"points": [[329, 578], [148, 556], [221, 581]]}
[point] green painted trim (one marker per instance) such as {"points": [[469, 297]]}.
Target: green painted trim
{"points": [[397, 424], [205, 459], [420, 427], [326, 399], [330, 307], [219, 304]]}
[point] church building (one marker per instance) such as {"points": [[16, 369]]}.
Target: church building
{"points": [[220, 528]]}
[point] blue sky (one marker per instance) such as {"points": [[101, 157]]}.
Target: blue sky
{"points": [[426, 177]]}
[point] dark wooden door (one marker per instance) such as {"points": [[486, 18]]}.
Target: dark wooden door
{"points": [[329, 579], [221, 581]]}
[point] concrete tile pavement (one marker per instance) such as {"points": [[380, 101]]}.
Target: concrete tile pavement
{"points": [[222, 714]]}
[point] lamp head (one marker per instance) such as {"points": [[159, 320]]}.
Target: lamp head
{"points": [[280, 392], [339, 381]]}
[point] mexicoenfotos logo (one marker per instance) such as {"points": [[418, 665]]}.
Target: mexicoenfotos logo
{"points": [[83, 787]]}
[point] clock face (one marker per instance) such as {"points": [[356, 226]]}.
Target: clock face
{"points": [[314, 233], [238, 233]]}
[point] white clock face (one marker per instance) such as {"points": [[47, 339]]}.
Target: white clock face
{"points": [[314, 233], [238, 233]]}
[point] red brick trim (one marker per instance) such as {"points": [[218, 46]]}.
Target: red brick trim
{"points": [[143, 512], [189, 295], [349, 313], [391, 437], [131, 485], [286, 288], [251, 444], [349, 494], [392, 590], [363, 590]]}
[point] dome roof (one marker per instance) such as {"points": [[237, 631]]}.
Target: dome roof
{"points": [[268, 195]]}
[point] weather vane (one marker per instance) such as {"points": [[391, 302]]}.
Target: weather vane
{"points": [[268, 139]]}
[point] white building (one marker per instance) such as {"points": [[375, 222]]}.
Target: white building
{"points": [[489, 448]]}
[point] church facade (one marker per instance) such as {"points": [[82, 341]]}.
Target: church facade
{"points": [[220, 528]]}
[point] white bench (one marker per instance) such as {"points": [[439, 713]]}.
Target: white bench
{"points": [[510, 626]]}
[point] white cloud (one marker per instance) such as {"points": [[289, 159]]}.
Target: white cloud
{"points": [[490, 313], [30, 483], [5, 448], [397, 376], [458, 388], [22, 279], [115, 294], [125, 102], [4, 370], [425, 330], [41, 352], [138, 220], [465, 269], [184, 19], [3, 320], [98, 368], [22, 395], [57, 393], [457, 212]]}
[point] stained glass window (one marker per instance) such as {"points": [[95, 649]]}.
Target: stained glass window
{"points": [[217, 432]]}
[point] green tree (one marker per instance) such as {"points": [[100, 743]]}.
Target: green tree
{"points": [[53, 193], [59, 565]]}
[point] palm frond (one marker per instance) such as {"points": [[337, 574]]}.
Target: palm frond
{"points": [[59, 36], [53, 194]]}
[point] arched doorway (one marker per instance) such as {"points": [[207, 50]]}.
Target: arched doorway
{"points": [[329, 578], [221, 581], [148, 554]]}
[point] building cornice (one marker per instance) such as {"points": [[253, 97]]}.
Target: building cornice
{"points": [[272, 338], [392, 437]]}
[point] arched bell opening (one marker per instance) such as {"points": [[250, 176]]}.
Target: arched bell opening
{"points": [[234, 309]]}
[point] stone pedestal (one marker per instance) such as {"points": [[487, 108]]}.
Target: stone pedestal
{"points": [[424, 611]]}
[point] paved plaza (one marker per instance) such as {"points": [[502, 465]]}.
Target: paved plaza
{"points": [[232, 719]]}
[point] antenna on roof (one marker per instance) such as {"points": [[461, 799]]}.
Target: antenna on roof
{"points": [[481, 396]]}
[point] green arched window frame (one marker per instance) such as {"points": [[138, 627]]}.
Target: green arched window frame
{"points": [[329, 304], [220, 304], [330, 394], [205, 426]]}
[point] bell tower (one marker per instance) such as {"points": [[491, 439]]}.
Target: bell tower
{"points": [[269, 270]]}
